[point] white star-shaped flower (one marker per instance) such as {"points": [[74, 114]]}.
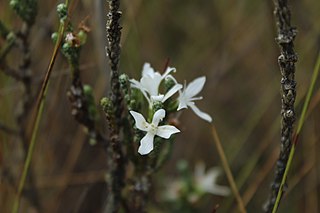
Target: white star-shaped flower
{"points": [[186, 97], [206, 181], [152, 129], [150, 82]]}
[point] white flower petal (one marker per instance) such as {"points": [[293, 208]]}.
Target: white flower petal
{"points": [[214, 172], [206, 181], [201, 114], [219, 190], [157, 98], [195, 86], [209, 178], [146, 144], [172, 78], [140, 121], [136, 84], [168, 71], [151, 83], [171, 92], [173, 189], [147, 70], [166, 131], [158, 116], [182, 105], [148, 85], [183, 102], [196, 98]]}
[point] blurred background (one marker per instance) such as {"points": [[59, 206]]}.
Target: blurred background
{"points": [[230, 42]]}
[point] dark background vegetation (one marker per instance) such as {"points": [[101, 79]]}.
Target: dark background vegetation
{"points": [[230, 42]]}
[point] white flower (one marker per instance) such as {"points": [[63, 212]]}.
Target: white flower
{"points": [[186, 97], [173, 189], [150, 82], [206, 181], [165, 131], [70, 38], [202, 182]]}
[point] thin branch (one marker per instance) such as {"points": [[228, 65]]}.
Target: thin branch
{"points": [[113, 51], [114, 115], [297, 133], [10, 71], [80, 104], [286, 60]]}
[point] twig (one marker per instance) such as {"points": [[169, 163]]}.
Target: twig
{"points": [[80, 105], [10, 42], [10, 71], [25, 78], [286, 60], [114, 115], [297, 133], [36, 120], [113, 52], [227, 170]]}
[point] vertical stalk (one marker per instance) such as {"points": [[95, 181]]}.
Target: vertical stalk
{"points": [[286, 60], [36, 120], [227, 170], [116, 157], [113, 53]]}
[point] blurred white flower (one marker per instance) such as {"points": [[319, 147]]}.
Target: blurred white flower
{"points": [[206, 181], [165, 131], [173, 190], [202, 183], [150, 82], [186, 97]]}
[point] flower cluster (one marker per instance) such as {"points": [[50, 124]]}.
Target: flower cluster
{"points": [[149, 85]]}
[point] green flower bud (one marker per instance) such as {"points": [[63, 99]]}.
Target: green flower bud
{"points": [[14, 4], [107, 105], [26, 10], [157, 105], [182, 166], [123, 79], [92, 142], [11, 37], [87, 89], [62, 11], [54, 37], [82, 36], [168, 83]]}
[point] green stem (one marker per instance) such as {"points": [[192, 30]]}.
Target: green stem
{"points": [[28, 160], [35, 124], [309, 94]]}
